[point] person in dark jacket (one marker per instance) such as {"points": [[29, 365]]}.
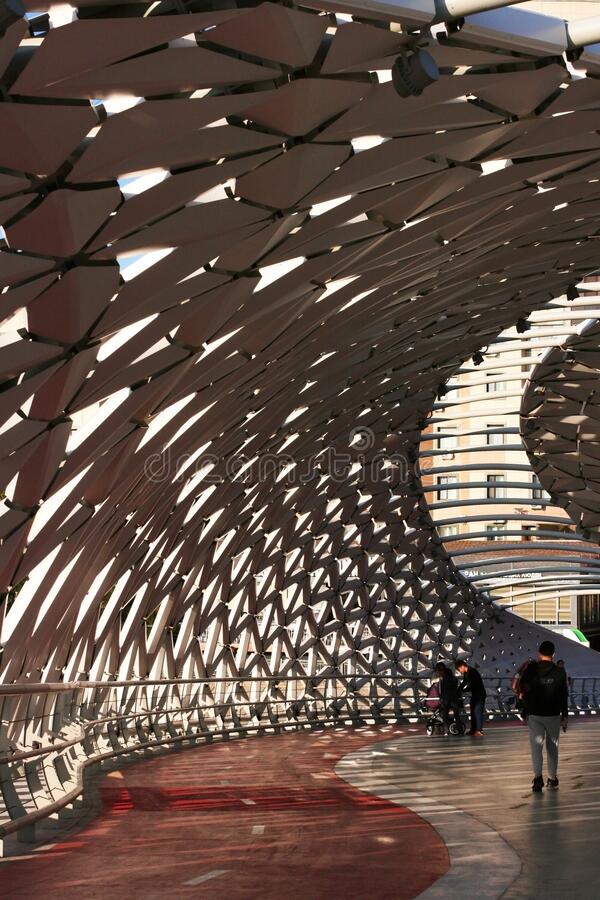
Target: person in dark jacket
{"points": [[472, 682], [546, 698], [449, 697]]}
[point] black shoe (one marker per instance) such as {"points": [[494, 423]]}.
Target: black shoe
{"points": [[552, 783], [537, 785]]}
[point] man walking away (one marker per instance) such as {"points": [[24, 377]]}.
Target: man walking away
{"points": [[448, 696], [473, 683], [546, 699]]}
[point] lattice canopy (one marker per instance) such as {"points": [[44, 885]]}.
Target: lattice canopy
{"points": [[237, 267], [560, 420]]}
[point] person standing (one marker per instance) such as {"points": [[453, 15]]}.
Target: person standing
{"points": [[472, 682], [449, 698], [546, 699]]}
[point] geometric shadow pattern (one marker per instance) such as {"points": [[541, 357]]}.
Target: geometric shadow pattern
{"points": [[237, 268]]}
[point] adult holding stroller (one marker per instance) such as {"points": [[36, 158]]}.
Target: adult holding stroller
{"points": [[449, 697], [472, 683]]}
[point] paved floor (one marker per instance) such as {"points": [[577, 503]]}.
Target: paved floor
{"points": [[405, 816], [263, 817], [482, 788]]}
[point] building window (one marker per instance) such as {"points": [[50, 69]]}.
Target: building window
{"points": [[562, 529], [494, 387], [589, 610], [448, 530], [493, 439], [494, 531], [496, 488], [448, 442], [444, 493]]}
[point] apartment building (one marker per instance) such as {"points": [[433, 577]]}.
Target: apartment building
{"points": [[505, 533]]}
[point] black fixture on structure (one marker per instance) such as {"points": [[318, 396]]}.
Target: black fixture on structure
{"points": [[413, 72]]}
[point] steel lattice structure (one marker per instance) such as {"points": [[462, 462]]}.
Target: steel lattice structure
{"points": [[560, 425], [230, 242]]}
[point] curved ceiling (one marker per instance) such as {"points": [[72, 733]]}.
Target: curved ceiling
{"points": [[560, 423], [236, 268]]}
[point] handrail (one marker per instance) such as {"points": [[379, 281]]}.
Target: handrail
{"points": [[48, 687], [113, 718]]}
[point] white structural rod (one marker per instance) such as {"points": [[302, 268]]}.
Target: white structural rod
{"points": [[583, 31], [457, 9], [578, 33]]}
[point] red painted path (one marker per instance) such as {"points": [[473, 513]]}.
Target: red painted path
{"points": [[261, 817]]}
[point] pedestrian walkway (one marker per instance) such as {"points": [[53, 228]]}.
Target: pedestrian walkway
{"points": [[375, 812], [263, 817], [504, 840]]}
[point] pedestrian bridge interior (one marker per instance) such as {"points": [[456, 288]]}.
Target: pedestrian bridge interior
{"points": [[244, 247]]}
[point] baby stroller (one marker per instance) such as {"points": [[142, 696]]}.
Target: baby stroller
{"points": [[434, 722]]}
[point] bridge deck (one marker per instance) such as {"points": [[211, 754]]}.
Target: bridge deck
{"points": [[377, 812]]}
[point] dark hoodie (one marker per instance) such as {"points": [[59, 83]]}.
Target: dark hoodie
{"points": [[545, 690], [473, 682], [448, 687]]}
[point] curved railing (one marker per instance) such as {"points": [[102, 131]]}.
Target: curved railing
{"points": [[50, 733], [584, 696]]}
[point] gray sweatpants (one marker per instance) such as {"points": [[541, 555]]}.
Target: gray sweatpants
{"points": [[544, 728]]}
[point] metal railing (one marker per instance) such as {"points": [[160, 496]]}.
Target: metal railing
{"points": [[50, 733], [584, 697]]}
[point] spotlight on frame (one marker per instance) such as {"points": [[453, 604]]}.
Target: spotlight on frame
{"points": [[522, 326], [413, 72], [477, 358]]}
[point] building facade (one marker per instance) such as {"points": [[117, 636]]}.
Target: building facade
{"points": [[503, 529]]}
